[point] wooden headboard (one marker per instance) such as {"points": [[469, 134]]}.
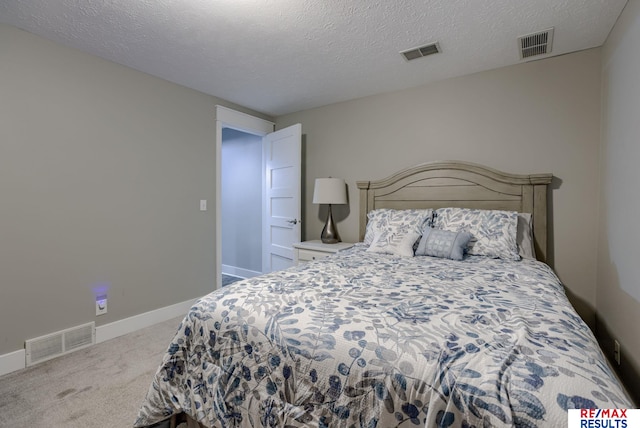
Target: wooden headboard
{"points": [[460, 184]]}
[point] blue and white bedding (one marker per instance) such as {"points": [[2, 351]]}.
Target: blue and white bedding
{"points": [[375, 340]]}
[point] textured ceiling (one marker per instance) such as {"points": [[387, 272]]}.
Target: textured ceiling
{"points": [[281, 56]]}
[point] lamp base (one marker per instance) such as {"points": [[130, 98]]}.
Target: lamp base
{"points": [[329, 240], [330, 232]]}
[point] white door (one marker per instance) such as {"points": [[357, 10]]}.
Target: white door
{"points": [[283, 183]]}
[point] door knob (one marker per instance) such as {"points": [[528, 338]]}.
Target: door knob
{"points": [[294, 221]]}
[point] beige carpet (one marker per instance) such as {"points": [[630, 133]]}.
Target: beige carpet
{"points": [[100, 386]]}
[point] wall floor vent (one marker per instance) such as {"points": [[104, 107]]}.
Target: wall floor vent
{"points": [[535, 44], [419, 52], [62, 342]]}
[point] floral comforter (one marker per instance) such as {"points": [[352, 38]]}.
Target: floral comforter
{"points": [[372, 340]]}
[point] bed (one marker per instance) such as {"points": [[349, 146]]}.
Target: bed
{"points": [[376, 337]]}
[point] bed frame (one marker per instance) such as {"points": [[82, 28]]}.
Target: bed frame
{"points": [[461, 184], [447, 184]]}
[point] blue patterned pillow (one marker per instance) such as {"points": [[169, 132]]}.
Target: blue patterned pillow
{"points": [[375, 221], [443, 243], [396, 231], [381, 219], [493, 232]]}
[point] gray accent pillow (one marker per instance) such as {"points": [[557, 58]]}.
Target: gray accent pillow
{"points": [[443, 243], [525, 237]]}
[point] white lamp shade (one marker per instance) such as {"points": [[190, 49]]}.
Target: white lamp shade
{"points": [[330, 191]]}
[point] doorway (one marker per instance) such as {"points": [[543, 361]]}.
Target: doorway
{"points": [[241, 198], [227, 118], [280, 187]]}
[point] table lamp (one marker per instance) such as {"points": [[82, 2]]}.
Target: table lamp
{"points": [[330, 191]]}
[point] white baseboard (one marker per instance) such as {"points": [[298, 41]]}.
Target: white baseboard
{"points": [[137, 322], [236, 271], [14, 361]]}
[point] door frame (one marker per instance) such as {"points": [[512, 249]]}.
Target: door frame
{"points": [[228, 118]]}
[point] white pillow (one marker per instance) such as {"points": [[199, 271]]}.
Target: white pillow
{"points": [[395, 242], [494, 232]]}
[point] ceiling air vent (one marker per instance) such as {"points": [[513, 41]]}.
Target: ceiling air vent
{"points": [[535, 44], [419, 52]]}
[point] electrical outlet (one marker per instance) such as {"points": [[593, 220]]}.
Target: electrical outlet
{"points": [[616, 351], [101, 305]]}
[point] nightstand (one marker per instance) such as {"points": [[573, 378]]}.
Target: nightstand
{"points": [[313, 250]]}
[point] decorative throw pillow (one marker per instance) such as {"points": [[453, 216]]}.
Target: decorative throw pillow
{"points": [[443, 243], [524, 239], [493, 232], [395, 241], [396, 231]]}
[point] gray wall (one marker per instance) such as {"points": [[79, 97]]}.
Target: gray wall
{"points": [[618, 286], [241, 200], [101, 173], [541, 116]]}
